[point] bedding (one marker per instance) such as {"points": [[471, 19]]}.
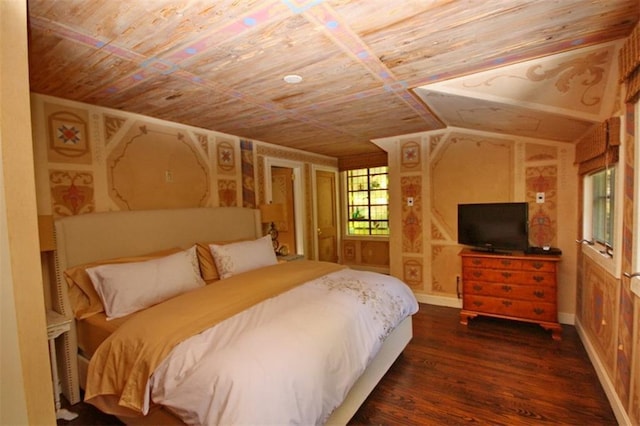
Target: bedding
{"points": [[335, 320]]}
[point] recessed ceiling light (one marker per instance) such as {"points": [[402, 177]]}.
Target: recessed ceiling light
{"points": [[292, 78]]}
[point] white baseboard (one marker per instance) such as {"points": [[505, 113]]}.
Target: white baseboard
{"points": [[429, 299], [601, 371]]}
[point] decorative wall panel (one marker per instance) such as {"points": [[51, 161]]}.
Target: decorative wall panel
{"points": [[410, 157], [227, 193], [542, 216], [412, 272], [71, 192], [155, 166], [68, 134], [112, 124], [599, 311], [411, 187], [248, 179], [226, 156]]}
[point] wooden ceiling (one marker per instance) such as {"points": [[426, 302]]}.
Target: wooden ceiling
{"points": [[370, 68]]}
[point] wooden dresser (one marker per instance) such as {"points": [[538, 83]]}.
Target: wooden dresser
{"points": [[514, 286]]}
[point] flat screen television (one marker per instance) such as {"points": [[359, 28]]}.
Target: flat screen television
{"points": [[494, 226]]}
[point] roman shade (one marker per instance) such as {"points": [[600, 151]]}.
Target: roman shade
{"points": [[600, 147], [629, 64], [362, 161]]}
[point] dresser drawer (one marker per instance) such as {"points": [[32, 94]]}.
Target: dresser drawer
{"points": [[491, 263], [530, 310], [513, 291], [539, 265], [509, 276]]}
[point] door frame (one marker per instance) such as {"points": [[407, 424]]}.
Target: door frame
{"points": [[298, 202], [314, 169]]}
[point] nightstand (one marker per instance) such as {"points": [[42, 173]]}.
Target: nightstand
{"points": [[57, 325], [289, 258]]}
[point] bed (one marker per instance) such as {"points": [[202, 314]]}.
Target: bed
{"points": [[138, 238]]}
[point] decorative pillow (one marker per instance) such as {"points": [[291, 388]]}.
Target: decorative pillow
{"points": [[208, 268], [234, 258], [85, 302], [129, 287]]}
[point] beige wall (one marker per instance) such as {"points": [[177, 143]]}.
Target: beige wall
{"points": [[441, 169], [26, 395]]}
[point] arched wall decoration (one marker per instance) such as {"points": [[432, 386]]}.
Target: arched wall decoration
{"points": [[155, 166]]}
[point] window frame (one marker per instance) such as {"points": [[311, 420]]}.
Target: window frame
{"points": [[609, 260], [348, 206]]}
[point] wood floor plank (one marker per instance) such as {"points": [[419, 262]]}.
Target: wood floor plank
{"points": [[491, 372]]}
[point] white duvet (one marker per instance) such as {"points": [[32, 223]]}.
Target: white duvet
{"points": [[288, 360]]}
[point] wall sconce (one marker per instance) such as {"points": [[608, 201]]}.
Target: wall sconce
{"points": [[271, 213]]}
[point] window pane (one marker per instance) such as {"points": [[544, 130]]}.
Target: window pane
{"points": [[603, 184], [368, 201]]}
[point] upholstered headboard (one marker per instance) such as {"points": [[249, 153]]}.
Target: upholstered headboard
{"points": [[90, 237]]}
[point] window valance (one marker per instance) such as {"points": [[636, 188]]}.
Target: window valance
{"points": [[629, 64], [362, 161], [599, 148]]}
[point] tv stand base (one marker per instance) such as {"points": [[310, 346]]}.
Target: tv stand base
{"points": [[555, 328]]}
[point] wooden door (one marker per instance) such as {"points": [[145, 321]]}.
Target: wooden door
{"points": [[327, 232], [282, 193]]}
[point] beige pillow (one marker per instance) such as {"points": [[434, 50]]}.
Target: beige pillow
{"points": [[235, 258], [83, 296], [208, 268], [125, 288]]}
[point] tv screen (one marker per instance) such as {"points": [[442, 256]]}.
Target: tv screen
{"points": [[494, 226]]}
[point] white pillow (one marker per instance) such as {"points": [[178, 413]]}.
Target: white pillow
{"points": [[234, 258], [129, 287]]}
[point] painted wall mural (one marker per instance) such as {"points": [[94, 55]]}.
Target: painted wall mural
{"points": [[90, 158], [72, 192]]}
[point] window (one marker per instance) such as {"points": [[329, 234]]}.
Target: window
{"points": [[602, 224], [603, 203], [368, 201]]}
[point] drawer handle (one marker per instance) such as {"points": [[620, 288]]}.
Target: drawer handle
{"points": [[477, 303], [506, 288], [477, 274], [537, 265], [539, 294], [507, 303], [477, 287], [538, 278], [476, 262], [506, 262], [538, 311], [506, 274]]}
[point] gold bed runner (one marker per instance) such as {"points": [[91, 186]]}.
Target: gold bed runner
{"points": [[123, 363]]}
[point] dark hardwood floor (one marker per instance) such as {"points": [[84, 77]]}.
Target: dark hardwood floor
{"points": [[493, 372]]}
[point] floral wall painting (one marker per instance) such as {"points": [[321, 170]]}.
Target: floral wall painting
{"points": [[72, 192], [226, 157], [68, 135], [227, 193]]}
